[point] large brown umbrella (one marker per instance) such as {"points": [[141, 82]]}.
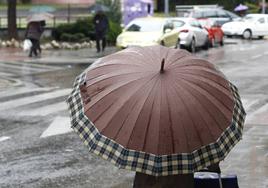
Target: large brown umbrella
{"points": [[156, 110]]}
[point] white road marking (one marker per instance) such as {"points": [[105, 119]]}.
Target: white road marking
{"points": [[33, 65], [60, 125], [3, 138], [247, 103], [23, 90], [252, 117], [21, 68], [45, 110], [32, 99], [256, 56]]}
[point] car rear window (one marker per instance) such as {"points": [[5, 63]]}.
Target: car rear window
{"points": [[178, 23], [145, 26]]}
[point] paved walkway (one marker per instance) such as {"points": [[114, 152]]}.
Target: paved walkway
{"points": [[55, 57], [82, 56]]}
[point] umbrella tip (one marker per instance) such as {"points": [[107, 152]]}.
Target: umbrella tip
{"points": [[162, 66]]}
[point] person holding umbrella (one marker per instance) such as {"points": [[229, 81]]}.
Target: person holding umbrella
{"points": [[101, 24], [161, 112], [34, 31]]}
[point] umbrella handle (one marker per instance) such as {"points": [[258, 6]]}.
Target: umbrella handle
{"points": [[220, 181]]}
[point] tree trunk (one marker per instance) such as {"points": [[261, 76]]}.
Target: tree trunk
{"points": [[175, 181], [12, 23]]}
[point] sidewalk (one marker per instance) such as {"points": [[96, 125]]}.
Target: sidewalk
{"points": [[59, 57]]}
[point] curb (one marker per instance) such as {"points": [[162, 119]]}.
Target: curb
{"points": [[54, 61]]}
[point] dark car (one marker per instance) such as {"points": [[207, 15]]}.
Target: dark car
{"points": [[200, 12]]}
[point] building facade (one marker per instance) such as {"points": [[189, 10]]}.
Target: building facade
{"points": [[132, 9]]}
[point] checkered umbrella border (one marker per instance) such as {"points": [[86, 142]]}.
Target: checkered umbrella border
{"points": [[156, 165]]}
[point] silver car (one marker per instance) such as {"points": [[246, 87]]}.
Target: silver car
{"points": [[191, 33]]}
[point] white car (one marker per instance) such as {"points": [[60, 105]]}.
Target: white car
{"points": [[252, 25], [191, 33]]}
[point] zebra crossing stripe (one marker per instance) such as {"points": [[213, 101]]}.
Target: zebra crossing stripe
{"points": [[4, 138], [60, 125], [19, 69], [23, 90], [34, 65], [45, 110], [32, 99]]}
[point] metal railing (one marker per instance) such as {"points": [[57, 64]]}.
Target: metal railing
{"points": [[52, 23]]}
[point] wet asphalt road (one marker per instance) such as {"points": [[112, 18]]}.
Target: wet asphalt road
{"points": [[32, 104]]}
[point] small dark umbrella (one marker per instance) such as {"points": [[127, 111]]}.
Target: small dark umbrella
{"points": [[98, 7]]}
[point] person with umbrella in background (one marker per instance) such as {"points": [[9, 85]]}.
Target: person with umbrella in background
{"points": [[241, 10], [34, 31], [101, 24], [35, 28]]}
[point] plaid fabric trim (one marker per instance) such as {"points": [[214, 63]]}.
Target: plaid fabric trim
{"points": [[146, 162]]}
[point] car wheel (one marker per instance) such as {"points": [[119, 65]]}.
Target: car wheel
{"points": [[162, 43], [247, 34], [192, 47], [260, 37], [182, 47]]}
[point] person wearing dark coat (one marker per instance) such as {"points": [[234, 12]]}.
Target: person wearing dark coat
{"points": [[34, 31], [101, 24]]}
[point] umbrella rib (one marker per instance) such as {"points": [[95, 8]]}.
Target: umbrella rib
{"points": [[149, 93], [118, 87], [206, 81], [150, 118], [205, 108], [189, 83], [131, 95], [171, 123], [107, 76], [142, 86], [186, 107]]}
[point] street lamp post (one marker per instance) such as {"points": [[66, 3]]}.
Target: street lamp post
{"points": [[166, 8], [263, 6]]}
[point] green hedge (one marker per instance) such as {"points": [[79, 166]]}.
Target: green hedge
{"points": [[84, 28]]}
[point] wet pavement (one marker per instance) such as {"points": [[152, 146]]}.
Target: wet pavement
{"points": [[38, 149]]}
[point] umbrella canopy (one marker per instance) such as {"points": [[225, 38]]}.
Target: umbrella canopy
{"points": [[39, 17], [241, 7], [156, 110], [98, 7], [41, 9]]}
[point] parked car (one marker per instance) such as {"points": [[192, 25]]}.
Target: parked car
{"points": [[215, 33], [148, 31], [252, 25], [191, 34], [206, 11]]}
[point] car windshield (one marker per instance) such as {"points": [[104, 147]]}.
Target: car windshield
{"points": [[249, 18], [145, 26]]}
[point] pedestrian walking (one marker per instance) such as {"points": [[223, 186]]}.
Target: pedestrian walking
{"points": [[33, 33], [101, 24]]}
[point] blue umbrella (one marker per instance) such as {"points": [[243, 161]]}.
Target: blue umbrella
{"points": [[42, 9]]}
